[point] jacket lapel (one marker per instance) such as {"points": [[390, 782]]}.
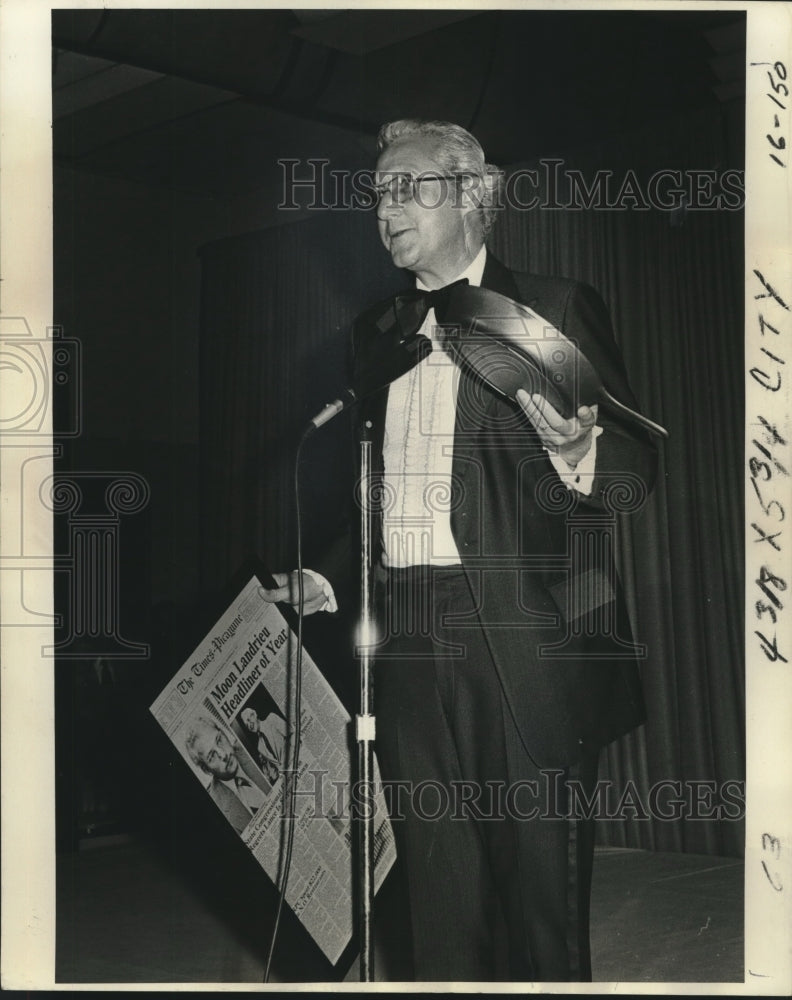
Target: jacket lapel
{"points": [[496, 278]]}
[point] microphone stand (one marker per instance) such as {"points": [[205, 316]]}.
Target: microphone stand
{"points": [[365, 729], [383, 370]]}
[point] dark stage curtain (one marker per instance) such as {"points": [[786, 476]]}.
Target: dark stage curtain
{"points": [[674, 284], [276, 311]]}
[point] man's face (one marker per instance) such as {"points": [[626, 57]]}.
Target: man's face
{"points": [[215, 750], [250, 720], [425, 234]]}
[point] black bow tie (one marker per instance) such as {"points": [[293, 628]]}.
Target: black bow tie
{"points": [[387, 342], [410, 309]]}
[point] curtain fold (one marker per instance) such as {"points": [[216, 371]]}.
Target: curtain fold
{"points": [[674, 286], [276, 312]]}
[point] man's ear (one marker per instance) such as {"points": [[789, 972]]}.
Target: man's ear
{"points": [[470, 193]]}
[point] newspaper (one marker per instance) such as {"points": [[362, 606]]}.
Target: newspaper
{"points": [[229, 711]]}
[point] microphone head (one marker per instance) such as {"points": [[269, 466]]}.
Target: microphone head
{"points": [[382, 356]]}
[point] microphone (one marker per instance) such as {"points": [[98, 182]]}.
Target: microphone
{"points": [[377, 368], [388, 345], [347, 399]]}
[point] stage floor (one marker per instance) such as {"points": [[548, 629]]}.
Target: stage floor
{"points": [[127, 915]]}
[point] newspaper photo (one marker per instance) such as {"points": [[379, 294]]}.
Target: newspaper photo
{"points": [[229, 711]]}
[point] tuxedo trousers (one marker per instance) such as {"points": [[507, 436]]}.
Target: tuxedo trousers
{"points": [[498, 875]]}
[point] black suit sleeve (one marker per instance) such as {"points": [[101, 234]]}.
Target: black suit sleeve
{"points": [[626, 454]]}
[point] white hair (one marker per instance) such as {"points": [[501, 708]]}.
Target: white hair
{"points": [[197, 727]]}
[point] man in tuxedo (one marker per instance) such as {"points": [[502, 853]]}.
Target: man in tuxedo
{"points": [[270, 736], [506, 660]]}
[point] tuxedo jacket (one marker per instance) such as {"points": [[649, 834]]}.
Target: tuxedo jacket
{"points": [[539, 556]]}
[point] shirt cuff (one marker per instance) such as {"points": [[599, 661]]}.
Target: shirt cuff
{"points": [[581, 478], [330, 604]]}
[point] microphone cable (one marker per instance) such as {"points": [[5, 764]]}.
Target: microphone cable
{"points": [[290, 798]]}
